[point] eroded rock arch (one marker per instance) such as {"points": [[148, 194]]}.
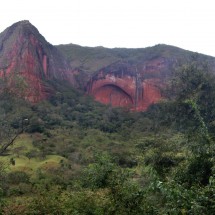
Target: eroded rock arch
{"points": [[114, 95]]}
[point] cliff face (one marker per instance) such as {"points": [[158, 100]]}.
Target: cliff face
{"points": [[26, 55], [133, 86], [130, 78]]}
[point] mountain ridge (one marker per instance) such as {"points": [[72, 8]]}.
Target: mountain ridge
{"points": [[122, 77], [132, 78]]}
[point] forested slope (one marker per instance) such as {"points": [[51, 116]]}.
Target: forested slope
{"points": [[76, 156]]}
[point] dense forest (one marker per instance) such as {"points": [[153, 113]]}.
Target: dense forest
{"points": [[72, 155]]}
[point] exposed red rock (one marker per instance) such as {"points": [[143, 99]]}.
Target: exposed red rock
{"points": [[129, 86], [130, 78], [25, 53]]}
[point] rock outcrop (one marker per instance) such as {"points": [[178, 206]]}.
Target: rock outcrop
{"points": [[134, 87], [129, 78], [26, 55]]}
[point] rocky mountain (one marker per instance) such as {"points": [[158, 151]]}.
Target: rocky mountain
{"points": [[131, 78], [26, 55]]}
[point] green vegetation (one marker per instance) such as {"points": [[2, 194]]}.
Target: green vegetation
{"points": [[92, 59], [76, 156]]}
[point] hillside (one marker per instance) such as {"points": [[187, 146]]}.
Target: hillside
{"points": [[130, 78], [93, 59], [77, 156], [26, 57], [61, 152]]}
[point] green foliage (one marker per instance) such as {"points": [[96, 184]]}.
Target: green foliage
{"points": [[17, 177], [179, 200], [46, 202], [90, 60], [36, 125], [3, 184], [86, 202], [126, 195], [198, 171], [80, 157], [97, 174]]}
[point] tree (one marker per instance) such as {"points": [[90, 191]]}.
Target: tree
{"points": [[9, 135], [191, 85], [13, 109], [126, 195], [31, 154], [96, 175]]}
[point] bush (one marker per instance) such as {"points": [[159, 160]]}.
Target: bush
{"points": [[18, 177], [198, 171]]}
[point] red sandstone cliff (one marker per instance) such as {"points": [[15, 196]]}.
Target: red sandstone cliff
{"points": [[130, 78], [135, 87], [25, 54]]}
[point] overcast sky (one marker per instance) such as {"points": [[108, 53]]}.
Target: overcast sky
{"points": [[187, 24]]}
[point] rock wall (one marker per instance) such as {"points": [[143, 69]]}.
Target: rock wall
{"points": [[26, 55], [132, 79], [134, 87]]}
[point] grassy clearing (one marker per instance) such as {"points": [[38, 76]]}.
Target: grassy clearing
{"points": [[18, 152]]}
